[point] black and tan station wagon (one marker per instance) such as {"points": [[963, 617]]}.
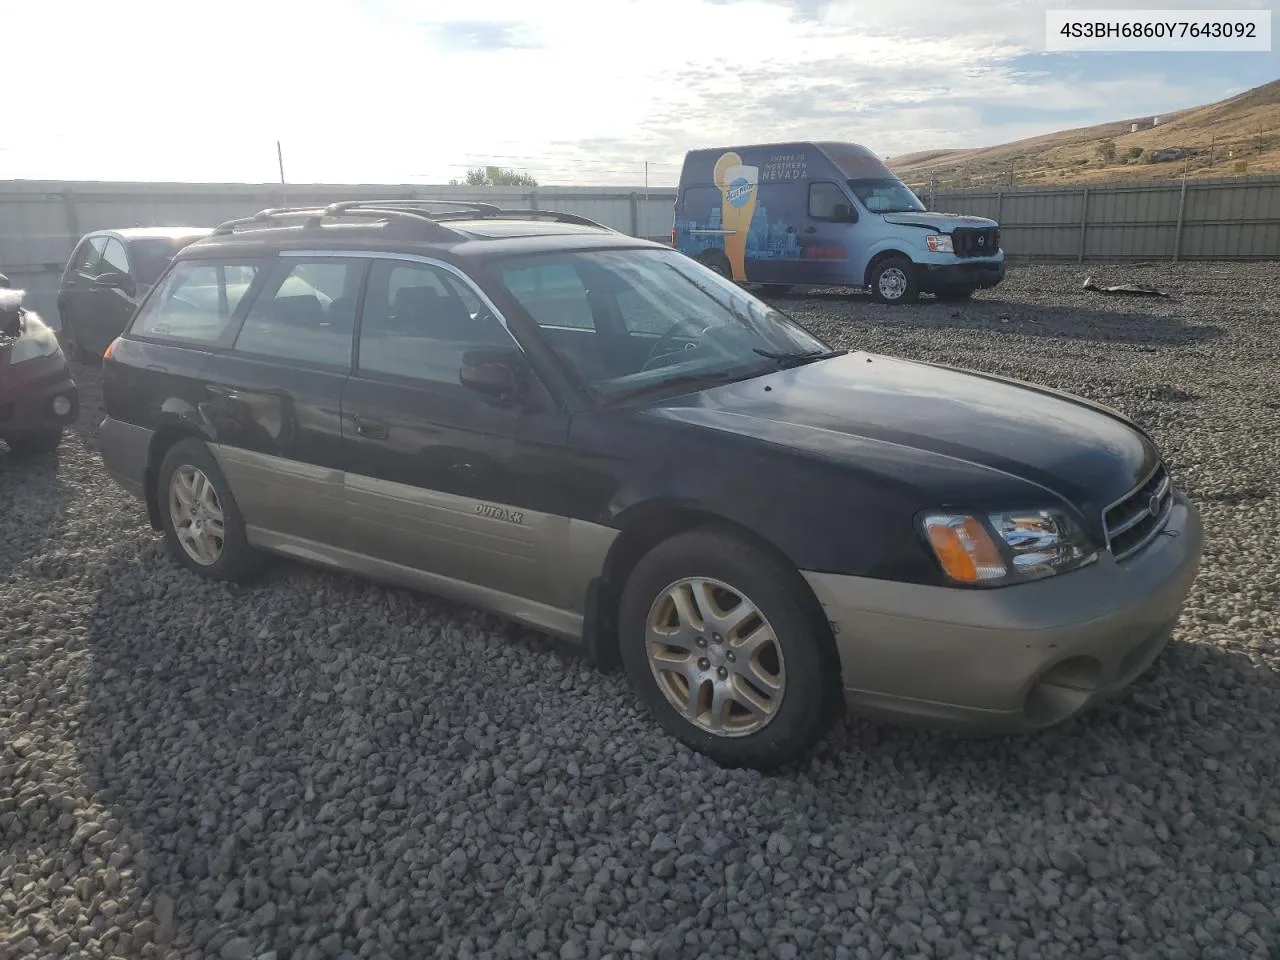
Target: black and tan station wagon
{"points": [[599, 437]]}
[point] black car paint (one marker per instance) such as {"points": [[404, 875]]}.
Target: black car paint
{"points": [[832, 463]]}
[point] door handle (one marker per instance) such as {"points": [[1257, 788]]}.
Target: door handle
{"points": [[157, 368], [371, 429]]}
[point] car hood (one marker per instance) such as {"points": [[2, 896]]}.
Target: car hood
{"points": [[1084, 452], [942, 222]]}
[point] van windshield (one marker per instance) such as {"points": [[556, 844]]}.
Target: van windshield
{"points": [[633, 322], [886, 196]]}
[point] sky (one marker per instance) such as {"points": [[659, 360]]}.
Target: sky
{"points": [[571, 91]]}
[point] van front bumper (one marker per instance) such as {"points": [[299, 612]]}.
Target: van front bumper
{"points": [[1016, 658], [975, 275]]}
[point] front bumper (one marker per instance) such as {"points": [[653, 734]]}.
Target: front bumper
{"points": [[28, 392], [1015, 658], [972, 274]]}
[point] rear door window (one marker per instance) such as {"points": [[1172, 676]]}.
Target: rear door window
{"points": [[305, 313], [196, 301]]}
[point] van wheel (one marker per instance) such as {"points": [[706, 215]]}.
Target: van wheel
{"points": [[893, 280], [954, 294], [721, 646], [203, 527]]}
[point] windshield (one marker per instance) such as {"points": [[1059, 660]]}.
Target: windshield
{"points": [[886, 196], [631, 321], [150, 255]]}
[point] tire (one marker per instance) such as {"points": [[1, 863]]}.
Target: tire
{"points": [[42, 441], [807, 670], [235, 561], [954, 294], [777, 289], [893, 281]]}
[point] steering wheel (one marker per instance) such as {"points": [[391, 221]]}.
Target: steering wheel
{"points": [[669, 334]]}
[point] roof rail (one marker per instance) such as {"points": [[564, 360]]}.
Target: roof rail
{"points": [[410, 202], [555, 216], [408, 210], [315, 216]]}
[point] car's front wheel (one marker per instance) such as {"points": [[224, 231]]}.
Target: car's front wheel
{"points": [[203, 527], [725, 649]]}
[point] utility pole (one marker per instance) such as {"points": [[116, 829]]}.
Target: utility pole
{"points": [[284, 195], [646, 179], [933, 186], [1011, 172], [1212, 141]]}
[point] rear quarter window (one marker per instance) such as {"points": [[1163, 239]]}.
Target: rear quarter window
{"points": [[195, 301]]}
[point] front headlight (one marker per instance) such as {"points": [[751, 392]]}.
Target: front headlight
{"points": [[1013, 546], [37, 340], [940, 243]]}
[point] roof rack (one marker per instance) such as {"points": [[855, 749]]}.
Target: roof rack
{"points": [[315, 216], [528, 214], [405, 211]]}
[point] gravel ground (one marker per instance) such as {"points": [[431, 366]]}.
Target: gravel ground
{"points": [[318, 767]]}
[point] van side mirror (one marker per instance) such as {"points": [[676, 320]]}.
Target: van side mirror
{"points": [[495, 372]]}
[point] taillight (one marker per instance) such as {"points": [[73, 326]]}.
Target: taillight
{"points": [[111, 348], [673, 236]]}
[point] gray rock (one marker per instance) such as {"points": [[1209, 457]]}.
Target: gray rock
{"points": [[322, 767]]}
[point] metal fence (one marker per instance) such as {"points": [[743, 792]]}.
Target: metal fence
{"points": [[1228, 219], [1193, 219], [41, 220]]}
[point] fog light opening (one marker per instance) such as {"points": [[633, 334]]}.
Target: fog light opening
{"points": [[61, 405]]}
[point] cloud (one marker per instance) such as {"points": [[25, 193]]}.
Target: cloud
{"points": [[482, 35], [569, 93]]}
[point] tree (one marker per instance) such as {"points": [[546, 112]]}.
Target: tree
{"points": [[1135, 153], [494, 177], [1107, 150]]}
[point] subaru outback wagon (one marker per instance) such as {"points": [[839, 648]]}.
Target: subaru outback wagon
{"points": [[601, 438]]}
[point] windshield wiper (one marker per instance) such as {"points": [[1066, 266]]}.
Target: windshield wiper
{"points": [[788, 360], [686, 383]]}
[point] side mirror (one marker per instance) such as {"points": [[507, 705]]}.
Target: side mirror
{"points": [[113, 281], [497, 373]]}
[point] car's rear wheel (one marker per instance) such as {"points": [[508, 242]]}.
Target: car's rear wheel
{"points": [[893, 281], [722, 645], [204, 530], [38, 441]]}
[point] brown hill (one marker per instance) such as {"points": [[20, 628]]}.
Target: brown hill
{"points": [[1240, 135]]}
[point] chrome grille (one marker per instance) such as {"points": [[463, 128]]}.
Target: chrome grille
{"points": [[975, 241], [1134, 521]]}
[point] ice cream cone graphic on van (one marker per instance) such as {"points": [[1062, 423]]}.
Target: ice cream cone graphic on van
{"points": [[738, 185]]}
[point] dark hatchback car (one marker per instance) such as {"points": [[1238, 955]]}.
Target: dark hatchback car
{"points": [[107, 275], [601, 438]]}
